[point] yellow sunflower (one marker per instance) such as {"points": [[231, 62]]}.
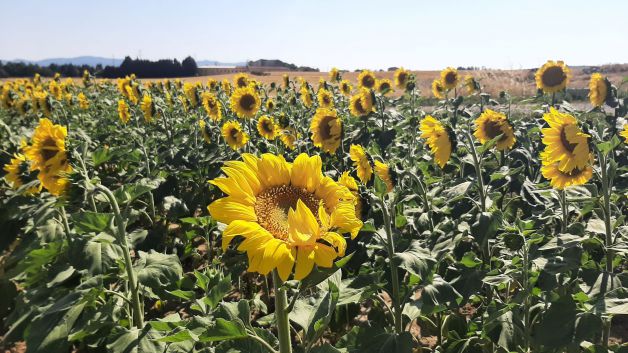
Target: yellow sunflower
{"points": [[449, 78], [491, 124], [334, 75], [240, 80], [383, 172], [366, 79], [326, 128], [346, 88], [83, 102], [552, 77], [560, 179], [598, 90], [437, 89], [123, 111], [361, 103], [624, 133], [289, 137], [270, 105], [18, 174], [245, 102], [325, 98], [233, 134], [226, 87], [362, 163], [267, 128], [148, 108], [202, 125], [191, 92], [289, 214], [184, 103], [212, 106], [286, 80], [439, 139], [384, 86], [565, 142], [55, 90], [470, 84], [41, 102], [401, 77], [350, 183], [47, 155]]}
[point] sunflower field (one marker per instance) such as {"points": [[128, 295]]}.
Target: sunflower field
{"points": [[235, 216]]}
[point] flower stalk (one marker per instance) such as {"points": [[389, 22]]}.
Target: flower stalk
{"points": [[281, 315]]}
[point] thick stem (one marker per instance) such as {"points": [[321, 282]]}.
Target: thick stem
{"points": [[478, 173], [564, 208], [138, 312], [608, 240], [394, 274], [526, 303], [281, 315], [66, 225]]}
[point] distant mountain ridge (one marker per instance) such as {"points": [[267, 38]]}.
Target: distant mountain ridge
{"points": [[96, 60]]}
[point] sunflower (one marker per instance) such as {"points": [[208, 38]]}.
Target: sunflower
{"points": [[325, 98], [212, 106], [470, 84], [148, 108], [334, 75], [366, 79], [131, 94], [245, 102], [18, 174], [552, 77], [226, 87], [439, 138], [123, 111], [270, 105], [184, 103], [289, 214], [55, 90], [202, 125], [240, 80], [191, 92], [83, 102], [401, 77], [233, 134], [306, 96], [286, 80], [212, 84], [346, 88], [350, 183], [384, 86], [491, 124], [598, 90], [47, 155], [437, 89], [326, 128], [289, 137], [561, 179], [565, 142], [624, 133], [388, 176], [361, 103], [41, 102], [362, 163], [449, 78], [267, 128]]}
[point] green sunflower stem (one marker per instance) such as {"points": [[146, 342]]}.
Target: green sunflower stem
{"points": [[564, 208], [281, 315], [478, 172], [608, 240], [394, 273], [138, 312], [66, 225]]}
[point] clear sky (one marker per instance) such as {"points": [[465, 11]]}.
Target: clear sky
{"points": [[323, 33]]}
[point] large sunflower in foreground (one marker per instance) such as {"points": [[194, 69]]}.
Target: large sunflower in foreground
{"points": [[598, 90], [361, 103], [449, 78], [267, 128], [565, 143], [437, 89], [362, 163], [401, 77], [552, 77], [245, 102], [491, 124], [439, 138], [289, 214], [366, 79], [212, 106], [325, 98], [234, 136], [561, 179], [326, 128]]}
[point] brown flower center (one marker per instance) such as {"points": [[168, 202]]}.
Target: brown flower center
{"points": [[384, 87], [553, 76], [358, 106], [49, 149], [402, 78], [368, 81], [493, 129], [272, 206], [241, 82], [247, 102], [324, 128], [451, 78]]}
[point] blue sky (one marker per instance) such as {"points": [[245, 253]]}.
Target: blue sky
{"points": [[324, 33]]}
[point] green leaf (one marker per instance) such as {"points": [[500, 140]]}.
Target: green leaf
{"points": [[416, 260], [87, 221], [98, 254], [217, 290], [158, 271], [136, 341], [131, 192], [180, 336], [183, 294], [168, 323], [556, 326], [223, 330], [486, 226], [470, 260], [438, 296]]}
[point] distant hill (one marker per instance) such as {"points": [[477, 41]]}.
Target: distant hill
{"points": [[219, 63], [95, 60], [279, 63]]}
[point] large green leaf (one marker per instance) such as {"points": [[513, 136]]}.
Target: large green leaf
{"points": [[416, 260], [158, 271], [135, 340]]}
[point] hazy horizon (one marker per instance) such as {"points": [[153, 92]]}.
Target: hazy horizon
{"points": [[418, 35]]}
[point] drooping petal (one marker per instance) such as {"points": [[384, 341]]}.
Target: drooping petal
{"points": [[305, 262], [228, 209]]}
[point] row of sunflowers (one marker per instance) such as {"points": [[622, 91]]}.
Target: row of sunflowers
{"points": [[236, 216]]}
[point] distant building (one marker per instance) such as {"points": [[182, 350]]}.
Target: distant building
{"points": [[220, 70]]}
